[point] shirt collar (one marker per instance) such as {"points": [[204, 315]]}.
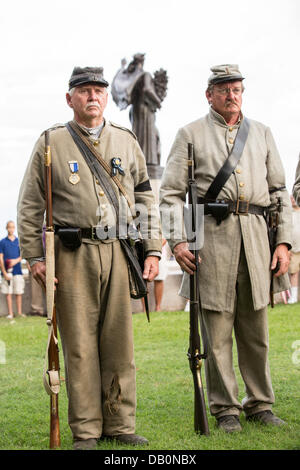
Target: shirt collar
{"points": [[93, 132]]}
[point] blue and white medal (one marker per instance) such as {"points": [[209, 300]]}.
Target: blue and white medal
{"points": [[74, 178]]}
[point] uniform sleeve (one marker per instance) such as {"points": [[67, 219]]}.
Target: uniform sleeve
{"points": [[31, 205], [173, 191], [1, 247], [145, 203], [296, 187], [276, 180]]}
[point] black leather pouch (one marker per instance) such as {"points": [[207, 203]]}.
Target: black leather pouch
{"points": [[218, 210], [70, 237]]}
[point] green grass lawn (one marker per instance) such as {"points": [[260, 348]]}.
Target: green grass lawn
{"points": [[164, 387]]}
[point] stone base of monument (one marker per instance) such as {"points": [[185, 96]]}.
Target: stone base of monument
{"points": [[171, 301]]}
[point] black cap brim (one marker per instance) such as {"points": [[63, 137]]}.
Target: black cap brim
{"points": [[227, 79]]}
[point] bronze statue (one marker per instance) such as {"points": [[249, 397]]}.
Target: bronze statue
{"points": [[133, 86]]}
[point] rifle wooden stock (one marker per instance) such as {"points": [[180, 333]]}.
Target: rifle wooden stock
{"points": [[53, 353], [194, 353]]}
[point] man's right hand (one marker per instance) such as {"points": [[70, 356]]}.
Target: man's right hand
{"points": [[38, 271], [185, 258], [7, 276]]}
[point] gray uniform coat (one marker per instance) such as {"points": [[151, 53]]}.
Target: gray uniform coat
{"points": [[259, 170], [296, 187]]}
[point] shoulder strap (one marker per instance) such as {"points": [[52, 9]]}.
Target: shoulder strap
{"points": [[231, 162]]}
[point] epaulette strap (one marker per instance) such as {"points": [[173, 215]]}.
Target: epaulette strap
{"points": [[53, 128], [123, 129]]}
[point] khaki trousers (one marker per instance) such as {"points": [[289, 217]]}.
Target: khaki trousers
{"points": [[95, 323], [251, 334]]}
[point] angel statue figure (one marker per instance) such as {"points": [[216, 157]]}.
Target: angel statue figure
{"points": [[144, 93]]}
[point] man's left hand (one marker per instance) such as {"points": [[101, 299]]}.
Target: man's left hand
{"points": [[282, 257], [151, 268]]}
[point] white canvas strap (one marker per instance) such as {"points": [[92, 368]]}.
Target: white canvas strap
{"points": [[50, 376]]}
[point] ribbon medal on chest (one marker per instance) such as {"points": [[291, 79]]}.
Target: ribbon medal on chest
{"points": [[116, 166], [74, 178]]}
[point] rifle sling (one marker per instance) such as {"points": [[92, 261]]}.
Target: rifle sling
{"points": [[231, 162]]}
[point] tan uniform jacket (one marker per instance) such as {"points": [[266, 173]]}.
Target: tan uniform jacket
{"points": [[83, 204], [258, 170]]}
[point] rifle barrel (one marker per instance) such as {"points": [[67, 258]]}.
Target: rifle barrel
{"points": [[200, 416], [48, 183]]}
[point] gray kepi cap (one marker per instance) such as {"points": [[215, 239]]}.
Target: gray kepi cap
{"points": [[87, 75], [224, 73]]}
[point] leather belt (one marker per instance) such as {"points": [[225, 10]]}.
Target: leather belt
{"points": [[89, 232], [239, 207]]}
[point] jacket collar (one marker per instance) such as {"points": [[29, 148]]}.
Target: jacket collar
{"points": [[218, 118]]}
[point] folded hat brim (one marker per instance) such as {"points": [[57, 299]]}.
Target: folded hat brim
{"points": [[83, 80]]}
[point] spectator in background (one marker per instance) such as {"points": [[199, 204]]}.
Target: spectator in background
{"points": [[294, 266], [10, 265]]}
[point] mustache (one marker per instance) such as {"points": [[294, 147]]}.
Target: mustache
{"points": [[230, 102], [92, 103]]}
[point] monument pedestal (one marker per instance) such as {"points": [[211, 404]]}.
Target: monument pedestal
{"points": [[171, 301]]}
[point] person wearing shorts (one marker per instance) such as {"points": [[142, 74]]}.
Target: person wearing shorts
{"points": [[294, 266], [10, 264]]}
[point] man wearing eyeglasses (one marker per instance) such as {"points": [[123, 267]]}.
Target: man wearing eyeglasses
{"points": [[235, 258]]}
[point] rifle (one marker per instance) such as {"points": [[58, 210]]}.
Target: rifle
{"points": [[273, 222], [194, 353], [51, 376]]}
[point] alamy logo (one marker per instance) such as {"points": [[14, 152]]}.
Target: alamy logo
{"points": [[296, 353], [2, 352]]}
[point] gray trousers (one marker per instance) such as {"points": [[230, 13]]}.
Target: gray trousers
{"points": [[251, 334], [95, 324]]}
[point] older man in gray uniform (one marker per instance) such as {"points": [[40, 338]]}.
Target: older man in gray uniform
{"points": [[235, 258], [93, 300]]}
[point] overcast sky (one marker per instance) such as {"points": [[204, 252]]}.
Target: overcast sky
{"points": [[41, 42]]}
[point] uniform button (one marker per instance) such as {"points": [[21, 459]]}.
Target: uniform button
{"points": [[97, 182], [230, 129], [230, 140], [242, 184], [101, 193], [96, 142], [238, 170], [242, 197]]}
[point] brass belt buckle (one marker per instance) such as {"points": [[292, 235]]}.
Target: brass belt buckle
{"points": [[94, 233], [237, 210]]}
